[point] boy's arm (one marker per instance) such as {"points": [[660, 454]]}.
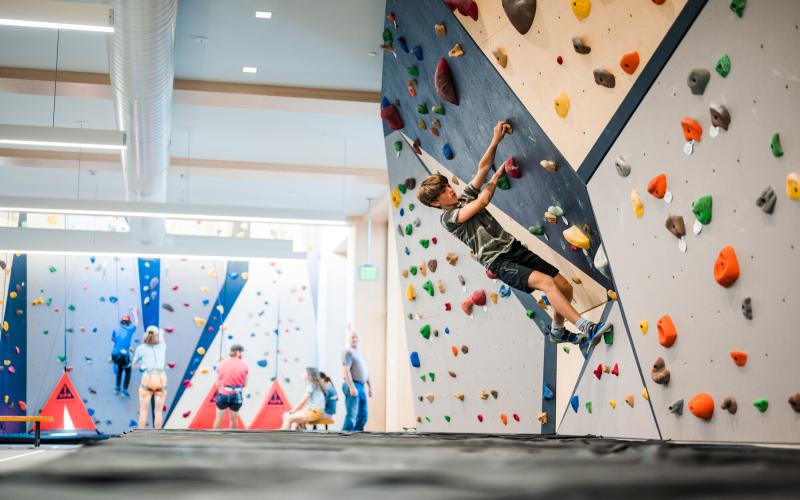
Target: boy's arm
{"points": [[469, 210], [488, 157]]}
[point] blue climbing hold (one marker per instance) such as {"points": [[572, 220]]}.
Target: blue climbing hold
{"points": [[547, 393], [401, 42], [90, 411], [132, 423], [447, 330], [205, 302], [92, 259], [385, 102], [262, 363], [402, 212], [545, 300], [574, 403], [415, 359], [113, 299], [504, 291], [447, 151], [417, 51], [233, 276], [230, 337], [408, 252], [102, 299]]}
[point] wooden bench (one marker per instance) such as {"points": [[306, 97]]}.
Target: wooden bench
{"points": [[37, 421], [325, 422]]}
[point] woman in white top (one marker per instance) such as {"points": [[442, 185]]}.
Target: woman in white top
{"points": [[151, 359], [311, 408]]}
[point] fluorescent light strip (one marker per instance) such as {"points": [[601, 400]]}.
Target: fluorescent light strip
{"points": [[249, 69], [62, 137], [52, 144], [260, 14], [55, 26]]}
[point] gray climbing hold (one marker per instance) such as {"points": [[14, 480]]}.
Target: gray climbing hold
{"points": [[747, 308], [601, 262], [729, 403], [579, 46], [410, 183], [604, 78], [767, 200], [697, 81], [676, 407], [520, 13], [676, 226], [400, 230], [623, 167], [417, 222], [461, 280], [719, 115]]}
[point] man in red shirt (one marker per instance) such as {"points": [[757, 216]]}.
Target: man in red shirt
{"points": [[231, 381]]}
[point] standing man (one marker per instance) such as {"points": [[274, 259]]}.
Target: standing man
{"points": [[121, 352], [356, 375], [231, 381]]}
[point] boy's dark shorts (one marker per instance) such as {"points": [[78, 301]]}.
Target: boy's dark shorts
{"points": [[226, 401], [515, 266]]}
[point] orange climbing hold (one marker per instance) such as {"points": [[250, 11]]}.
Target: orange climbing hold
{"points": [[658, 186], [454, 350], [726, 268], [504, 418], [666, 331], [702, 405], [466, 306], [629, 62], [739, 357], [692, 131]]}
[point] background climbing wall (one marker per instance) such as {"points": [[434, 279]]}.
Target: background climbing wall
{"points": [[656, 278], [536, 76]]}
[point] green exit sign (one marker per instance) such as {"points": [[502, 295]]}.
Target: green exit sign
{"points": [[368, 272]]}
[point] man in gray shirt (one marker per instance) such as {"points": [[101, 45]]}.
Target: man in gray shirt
{"points": [[356, 376]]}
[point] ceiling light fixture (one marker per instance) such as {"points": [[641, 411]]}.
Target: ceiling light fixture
{"points": [[260, 14], [62, 137], [73, 16], [249, 69], [55, 26]]}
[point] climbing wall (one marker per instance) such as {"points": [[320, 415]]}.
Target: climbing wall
{"points": [[759, 93]]}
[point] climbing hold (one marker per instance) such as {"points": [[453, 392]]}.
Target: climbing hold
{"points": [[409, 229], [478, 297], [676, 226], [601, 262], [440, 285], [466, 306], [503, 183], [726, 268], [636, 203], [417, 51], [199, 321], [440, 29], [739, 357], [793, 186], [493, 393], [459, 395], [666, 331], [574, 402], [456, 51], [555, 210], [428, 287], [729, 403], [421, 124], [657, 186], [613, 404], [702, 405], [720, 117], [511, 168], [574, 236], [433, 265], [579, 46], [548, 165], [542, 418], [412, 71], [660, 373], [201, 350], [424, 243], [443, 80], [430, 397], [623, 167], [598, 372], [547, 393], [761, 404], [561, 104], [794, 401], [501, 57], [515, 417], [504, 291], [451, 258], [737, 6], [480, 418], [676, 407], [565, 349], [629, 62], [698, 80], [484, 395], [775, 145], [464, 7], [521, 13], [447, 151], [387, 35], [390, 115], [410, 295], [530, 313], [490, 275], [423, 110], [493, 296], [537, 230], [767, 200], [723, 66], [504, 418], [702, 209], [581, 8], [452, 374], [604, 78], [692, 131], [168, 307], [454, 350], [425, 331], [747, 308], [629, 399], [462, 281]]}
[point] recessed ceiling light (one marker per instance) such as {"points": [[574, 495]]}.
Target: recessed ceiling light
{"points": [[249, 69], [260, 14]]}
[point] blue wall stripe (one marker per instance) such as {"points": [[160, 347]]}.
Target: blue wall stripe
{"points": [[148, 270]]}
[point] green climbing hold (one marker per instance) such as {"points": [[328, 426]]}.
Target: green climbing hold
{"points": [[424, 243], [738, 6], [537, 230], [411, 207], [447, 418], [45, 332], [52, 269], [428, 287], [432, 376], [422, 109], [761, 404], [589, 406], [723, 66], [566, 349], [425, 331], [387, 36], [503, 183], [413, 72], [422, 377], [775, 145], [409, 229], [438, 109], [428, 419], [401, 188], [413, 270], [702, 209], [398, 146], [608, 337], [530, 313], [61, 358], [71, 307]]}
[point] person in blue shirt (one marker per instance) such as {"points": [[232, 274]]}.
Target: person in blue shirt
{"points": [[331, 397], [121, 352]]}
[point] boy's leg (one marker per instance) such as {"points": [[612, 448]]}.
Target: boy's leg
{"points": [[559, 301], [566, 290]]}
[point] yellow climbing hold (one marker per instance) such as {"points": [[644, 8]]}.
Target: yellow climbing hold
{"points": [[645, 395], [212, 272], [204, 289], [793, 186], [629, 400], [581, 8], [562, 105], [245, 275], [410, 295], [201, 350], [576, 237], [199, 321], [493, 296], [459, 395], [613, 404], [396, 197], [204, 370], [13, 295], [542, 418], [643, 326], [636, 203], [5, 326]]}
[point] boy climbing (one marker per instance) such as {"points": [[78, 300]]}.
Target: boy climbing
{"points": [[467, 218]]}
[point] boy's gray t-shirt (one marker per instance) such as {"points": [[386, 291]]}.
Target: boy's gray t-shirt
{"points": [[482, 233]]}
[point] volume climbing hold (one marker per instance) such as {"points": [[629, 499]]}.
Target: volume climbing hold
{"points": [[793, 186], [729, 403], [720, 117], [676, 226], [660, 373], [390, 115], [451, 258], [520, 13], [581, 8], [445, 87], [676, 407], [417, 51], [737, 6], [459, 395], [698, 80], [692, 131], [794, 402], [636, 203], [767, 200], [702, 405], [547, 393], [464, 7], [629, 399], [702, 209], [747, 308], [726, 267], [629, 62], [447, 151], [579, 46], [775, 145], [542, 418], [739, 357], [761, 404], [574, 236], [478, 297], [723, 66], [511, 168], [604, 78], [440, 29], [666, 331], [657, 186], [561, 105], [410, 295], [456, 51], [501, 57], [466, 307], [574, 402], [414, 359]]}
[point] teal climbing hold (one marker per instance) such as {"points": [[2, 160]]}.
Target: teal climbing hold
{"points": [[438, 109], [412, 71], [61, 358], [589, 406], [775, 145], [547, 393], [723, 66], [425, 331], [71, 308], [761, 404], [422, 109], [424, 243], [537, 230], [702, 209], [608, 337], [409, 229], [52, 269], [428, 287], [737, 6], [575, 402]]}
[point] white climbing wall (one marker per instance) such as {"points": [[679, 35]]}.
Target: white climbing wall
{"points": [[655, 278]]}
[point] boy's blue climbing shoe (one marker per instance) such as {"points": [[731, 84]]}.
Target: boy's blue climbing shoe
{"points": [[593, 332], [559, 336]]}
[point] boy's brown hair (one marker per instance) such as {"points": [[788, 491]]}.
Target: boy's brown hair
{"points": [[430, 189]]}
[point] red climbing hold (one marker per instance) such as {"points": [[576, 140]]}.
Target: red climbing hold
{"points": [[464, 7], [692, 131], [516, 417], [560, 60], [659, 2], [629, 62], [444, 83], [666, 331], [726, 268], [480, 418], [466, 306], [447, 306], [598, 372], [490, 275], [390, 115], [658, 185], [702, 405], [615, 370], [478, 298], [511, 168], [434, 240], [739, 357]]}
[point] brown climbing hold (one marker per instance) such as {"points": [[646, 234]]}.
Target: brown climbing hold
{"points": [[666, 331], [478, 298], [511, 168], [464, 349], [430, 397], [455, 181], [484, 395], [739, 357], [579, 46], [658, 185], [629, 399], [577, 280], [692, 131], [412, 90], [452, 258], [702, 405], [433, 265], [405, 273], [456, 51], [520, 13], [604, 78], [436, 123], [434, 131], [729, 403], [794, 401], [660, 373], [440, 286], [552, 219], [629, 62], [466, 306], [421, 124], [548, 165], [416, 147], [501, 57], [465, 7], [726, 268], [459, 395], [493, 393], [720, 117], [444, 83], [542, 418], [440, 29], [676, 226], [452, 374]]}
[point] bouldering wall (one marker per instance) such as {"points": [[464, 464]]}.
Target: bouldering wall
{"points": [[750, 65]]}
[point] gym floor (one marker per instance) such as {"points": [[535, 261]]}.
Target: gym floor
{"points": [[205, 464]]}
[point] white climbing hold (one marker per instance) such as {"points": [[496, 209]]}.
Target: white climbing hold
{"points": [[697, 227], [682, 245], [688, 148], [713, 131], [668, 197]]}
